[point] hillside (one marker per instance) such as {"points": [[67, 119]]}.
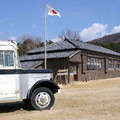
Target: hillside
{"points": [[109, 41], [112, 38]]}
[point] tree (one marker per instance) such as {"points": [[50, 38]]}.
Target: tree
{"points": [[49, 42], [69, 34], [112, 46], [29, 43]]}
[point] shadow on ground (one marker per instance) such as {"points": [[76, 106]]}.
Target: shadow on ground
{"points": [[11, 107]]}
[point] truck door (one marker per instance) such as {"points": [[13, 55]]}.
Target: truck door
{"points": [[8, 76]]}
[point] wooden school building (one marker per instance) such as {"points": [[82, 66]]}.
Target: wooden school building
{"points": [[75, 61]]}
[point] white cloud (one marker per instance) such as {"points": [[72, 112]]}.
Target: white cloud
{"points": [[13, 38], [116, 29], [95, 31], [56, 39], [33, 25]]}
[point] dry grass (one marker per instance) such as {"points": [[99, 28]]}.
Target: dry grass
{"points": [[98, 100]]}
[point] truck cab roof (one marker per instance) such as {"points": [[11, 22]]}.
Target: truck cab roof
{"points": [[9, 45]]}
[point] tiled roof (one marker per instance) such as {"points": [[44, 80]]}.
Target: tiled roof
{"points": [[30, 64], [61, 45], [91, 47], [49, 55], [69, 44]]}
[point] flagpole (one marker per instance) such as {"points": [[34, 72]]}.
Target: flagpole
{"points": [[45, 29], [51, 12]]}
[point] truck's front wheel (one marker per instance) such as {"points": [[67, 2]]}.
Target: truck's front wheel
{"points": [[42, 98]]}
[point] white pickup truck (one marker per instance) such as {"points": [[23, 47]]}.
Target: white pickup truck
{"points": [[16, 84]]}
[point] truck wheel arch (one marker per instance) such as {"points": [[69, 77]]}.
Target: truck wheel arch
{"points": [[44, 83]]}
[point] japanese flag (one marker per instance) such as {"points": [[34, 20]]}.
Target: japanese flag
{"points": [[52, 12]]}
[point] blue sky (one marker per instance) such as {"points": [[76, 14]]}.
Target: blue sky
{"points": [[91, 18]]}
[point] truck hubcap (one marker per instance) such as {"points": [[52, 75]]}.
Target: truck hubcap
{"points": [[43, 99]]}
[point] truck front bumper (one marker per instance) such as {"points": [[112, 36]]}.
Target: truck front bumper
{"points": [[59, 90]]}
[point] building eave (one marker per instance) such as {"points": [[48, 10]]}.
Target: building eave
{"points": [[74, 54]]}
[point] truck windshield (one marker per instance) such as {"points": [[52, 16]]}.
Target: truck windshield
{"points": [[6, 58]]}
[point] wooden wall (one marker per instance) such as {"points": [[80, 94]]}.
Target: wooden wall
{"points": [[98, 74], [80, 61]]}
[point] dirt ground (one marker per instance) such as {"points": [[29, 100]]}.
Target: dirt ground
{"points": [[94, 100]]}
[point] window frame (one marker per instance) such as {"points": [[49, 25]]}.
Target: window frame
{"points": [[113, 64], [94, 63], [3, 59]]}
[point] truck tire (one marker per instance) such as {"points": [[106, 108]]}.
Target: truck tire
{"points": [[42, 98]]}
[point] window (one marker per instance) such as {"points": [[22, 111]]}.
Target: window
{"points": [[113, 64], [6, 58], [73, 70], [94, 63], [1, 58]]}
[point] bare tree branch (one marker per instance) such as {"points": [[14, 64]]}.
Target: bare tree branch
{"points": [[69, 34]]}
